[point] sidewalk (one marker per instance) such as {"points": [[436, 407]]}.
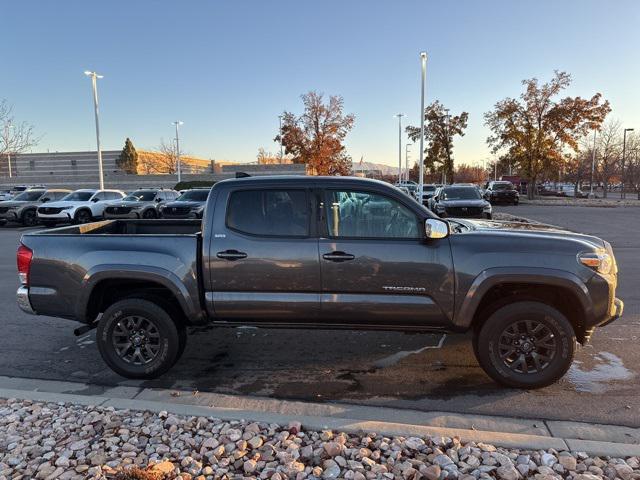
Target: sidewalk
{"points": [[530, 434]]}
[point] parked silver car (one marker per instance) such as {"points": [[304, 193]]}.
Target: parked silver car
{"points": [[22, 208], [144, 203]]}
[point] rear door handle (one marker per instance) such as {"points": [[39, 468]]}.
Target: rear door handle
{"points": [[231, 255], [338, 256]]}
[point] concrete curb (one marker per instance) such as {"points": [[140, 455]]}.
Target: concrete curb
{"points": [[604, 440]]}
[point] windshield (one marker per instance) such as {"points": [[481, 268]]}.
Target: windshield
{"points": [[460, 193], [429, 188], [503, 186], [194, 196], [78, 197], [141, 196], [29, 196]]}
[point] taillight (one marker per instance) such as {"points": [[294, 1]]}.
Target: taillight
{"points": [[24, 263]]}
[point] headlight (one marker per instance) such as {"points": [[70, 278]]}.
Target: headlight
{"points": [[136, 207], [197, 209], [601, 262], [486, 208], [66, 208]]}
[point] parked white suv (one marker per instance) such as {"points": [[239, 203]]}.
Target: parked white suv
{"points": [[81, 206]]}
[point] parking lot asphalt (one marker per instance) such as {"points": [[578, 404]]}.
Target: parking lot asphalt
{"points": [[418, 371]]}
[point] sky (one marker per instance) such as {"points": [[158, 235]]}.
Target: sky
{"points": [[227, 69]]}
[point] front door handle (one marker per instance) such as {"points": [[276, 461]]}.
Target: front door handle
{"points": [[231, 255], [338, 256]]}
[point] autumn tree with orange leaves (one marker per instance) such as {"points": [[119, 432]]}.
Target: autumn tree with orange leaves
{"points": [[537, 129], [316, 137]]}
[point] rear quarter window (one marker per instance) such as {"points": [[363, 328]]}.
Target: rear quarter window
{"points": [[279, 213]]}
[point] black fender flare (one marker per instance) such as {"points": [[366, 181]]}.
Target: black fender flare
{"points": [[189, 304], [491, 277]]}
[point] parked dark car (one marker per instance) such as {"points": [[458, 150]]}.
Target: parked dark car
{"points": [[501, 192], [188, 205], [324, 252], [23, 207], [462, 201], [144, 203]]}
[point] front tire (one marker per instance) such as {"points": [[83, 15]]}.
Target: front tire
{"points": [[138, 339], [149, 214], [29, 218], [82, 216], [526, 345]]}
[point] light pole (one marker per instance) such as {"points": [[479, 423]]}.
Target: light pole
{"points": [[280, 135], [177, 123], [446, 131], [423, 61], [406, 160], [624, 155], [94, 77], [399, 115], [593, 163], [7, 126]]}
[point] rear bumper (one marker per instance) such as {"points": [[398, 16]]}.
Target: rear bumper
{"points": [[22, 297]]}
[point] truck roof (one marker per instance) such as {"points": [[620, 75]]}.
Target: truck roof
{"points": [[303, 180]]}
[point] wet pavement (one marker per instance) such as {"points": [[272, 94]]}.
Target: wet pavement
{"points": [[419, 371]]}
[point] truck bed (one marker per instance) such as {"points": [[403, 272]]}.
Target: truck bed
{"points": [[69, 262], [130, 227]]}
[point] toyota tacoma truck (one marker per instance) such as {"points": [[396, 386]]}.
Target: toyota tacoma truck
{"points": [[324, 253]]}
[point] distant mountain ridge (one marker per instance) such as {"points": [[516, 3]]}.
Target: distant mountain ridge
{"points": [[368, 166]]}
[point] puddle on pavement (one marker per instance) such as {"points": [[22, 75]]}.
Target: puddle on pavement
{"points": [[607, 368], [396, 357]]}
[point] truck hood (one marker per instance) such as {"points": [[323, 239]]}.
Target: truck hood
{"points": [[531, 229]]}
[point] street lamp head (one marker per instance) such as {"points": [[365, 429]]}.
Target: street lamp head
{"points": [[628, 129], [92, 74], [177, 122], [423, 54]]}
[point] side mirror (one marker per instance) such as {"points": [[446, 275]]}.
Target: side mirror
{"points": [[158, 200], [44, 200], [435, 229], [94, 200]]}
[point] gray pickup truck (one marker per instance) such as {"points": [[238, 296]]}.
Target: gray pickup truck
{"points": [[324, 253]]}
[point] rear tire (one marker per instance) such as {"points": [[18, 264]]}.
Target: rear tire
{"points": [[138, 339], [526, 345]]}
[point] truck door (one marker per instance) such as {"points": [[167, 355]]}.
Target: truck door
{"points": [[264, 256], [377, 267]]}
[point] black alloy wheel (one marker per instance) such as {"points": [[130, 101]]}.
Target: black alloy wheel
{"points": [[83, 216], [29, 218], [525, 344]]}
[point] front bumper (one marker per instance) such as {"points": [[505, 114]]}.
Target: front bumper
{"points": [[22, 297], [121, 215], [62, 217], [10, 216], [181, 216]]}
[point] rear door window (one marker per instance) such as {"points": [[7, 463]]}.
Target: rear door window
{"points": [[280, 213]]}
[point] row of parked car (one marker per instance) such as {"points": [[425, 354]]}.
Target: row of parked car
{"points": [[37, 204], [463, 199]]}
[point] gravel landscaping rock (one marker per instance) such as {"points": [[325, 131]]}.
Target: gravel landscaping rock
{"points": [[72, 442]]}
